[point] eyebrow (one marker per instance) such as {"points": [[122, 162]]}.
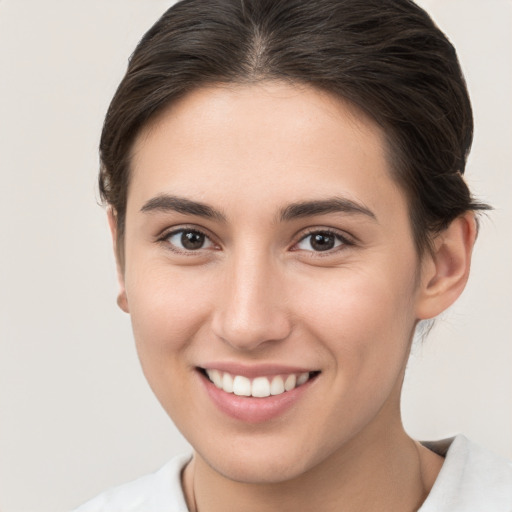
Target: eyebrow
{"points": [[168, 203], [323, 206]]}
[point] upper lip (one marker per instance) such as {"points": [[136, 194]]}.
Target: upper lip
{"points": [[255, 370]]}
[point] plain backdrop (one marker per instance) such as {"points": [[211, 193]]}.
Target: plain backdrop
{"points": [[76, 415]]}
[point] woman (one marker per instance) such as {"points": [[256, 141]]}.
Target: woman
{"points": [[285, 192]]}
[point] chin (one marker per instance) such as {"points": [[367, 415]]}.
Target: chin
{"points": [[250, 462], [263, 470]]}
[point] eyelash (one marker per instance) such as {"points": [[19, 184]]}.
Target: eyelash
{"points": [[165, 239], [342, 240]]}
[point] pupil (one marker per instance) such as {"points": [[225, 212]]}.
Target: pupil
{"points": [[192, 240], [322, 242]]}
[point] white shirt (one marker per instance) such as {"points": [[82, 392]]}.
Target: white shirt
{"points": [[471, 480]]}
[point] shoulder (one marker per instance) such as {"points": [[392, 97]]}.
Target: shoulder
{"points": [[472, 479], [155, 492]]}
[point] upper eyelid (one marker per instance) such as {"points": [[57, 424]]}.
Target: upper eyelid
{"points": [[343, 235], [163, 239], [165, 233]]}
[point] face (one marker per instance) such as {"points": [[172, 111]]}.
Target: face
{"points": [[268, 249]]}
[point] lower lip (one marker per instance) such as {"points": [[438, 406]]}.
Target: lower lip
{"points": [[251, 409]]}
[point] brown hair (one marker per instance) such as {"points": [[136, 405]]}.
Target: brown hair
{"points": [[385, 56]]}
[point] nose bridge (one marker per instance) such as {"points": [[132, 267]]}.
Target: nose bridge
{"points": [[251, 309]]}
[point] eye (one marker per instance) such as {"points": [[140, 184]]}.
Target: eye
{"points": [[188, 240], [321, 241]]}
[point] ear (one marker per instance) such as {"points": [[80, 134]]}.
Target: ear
{"points": [[122, 299], [445, 271]]}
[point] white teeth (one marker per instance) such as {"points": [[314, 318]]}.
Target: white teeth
{"points": [[290, 382], [215, 377], [241, 386], [227, 383], [277, 386], [260, 386], [302, 378]]}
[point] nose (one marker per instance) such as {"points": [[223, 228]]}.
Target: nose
{"points": [[251, 310]]}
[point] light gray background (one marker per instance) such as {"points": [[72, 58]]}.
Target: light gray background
{"points": [[76, 415]]}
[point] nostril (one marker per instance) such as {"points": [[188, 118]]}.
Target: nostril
{"points": [[251, 334]]}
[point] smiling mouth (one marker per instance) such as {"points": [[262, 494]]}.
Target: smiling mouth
{"points": [[259, 387]]}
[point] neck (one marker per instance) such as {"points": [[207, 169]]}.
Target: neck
{"points": [[394, 473]]}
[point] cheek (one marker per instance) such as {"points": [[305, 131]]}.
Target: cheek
{"points": [[167, 307], [365, 319]]}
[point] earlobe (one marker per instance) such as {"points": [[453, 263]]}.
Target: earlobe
{"points": [[122, 299], [446, 270]]}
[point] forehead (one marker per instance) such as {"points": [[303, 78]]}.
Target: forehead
{"points": [[268, 142]]}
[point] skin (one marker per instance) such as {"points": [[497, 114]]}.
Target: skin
{"points": [[258, 292]]}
